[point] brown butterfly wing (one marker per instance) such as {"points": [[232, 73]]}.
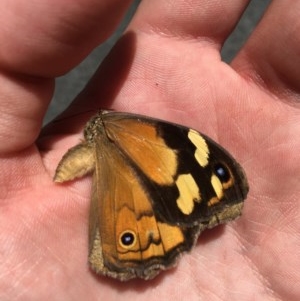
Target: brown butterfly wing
{"points": [[126, 238], [156, 185], [189, 177]]}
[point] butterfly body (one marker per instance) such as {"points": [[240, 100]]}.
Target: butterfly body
{"points": [[156, 186]]}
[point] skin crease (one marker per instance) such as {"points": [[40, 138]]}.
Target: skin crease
{"points": [[167, 65]]}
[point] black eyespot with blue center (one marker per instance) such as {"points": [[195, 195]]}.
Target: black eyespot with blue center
{"points": [[222, 172], [127, 239]]}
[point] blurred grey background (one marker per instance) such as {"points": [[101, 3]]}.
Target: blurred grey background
{"points": [[68, 86]]}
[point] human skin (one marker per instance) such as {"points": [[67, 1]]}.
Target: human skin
{"points": [[166, 65]]}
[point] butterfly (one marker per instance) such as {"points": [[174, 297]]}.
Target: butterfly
{"points": [[156, 186]]}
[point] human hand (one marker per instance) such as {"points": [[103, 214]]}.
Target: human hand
{"points": [[168, 66]]}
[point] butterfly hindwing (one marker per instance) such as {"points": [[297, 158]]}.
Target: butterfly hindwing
{"points": [[127, 240]]}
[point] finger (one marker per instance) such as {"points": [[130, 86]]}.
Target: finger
{"points": [[271, 55], [162, 36], [194, 19], [50, 37], [45, 40]]}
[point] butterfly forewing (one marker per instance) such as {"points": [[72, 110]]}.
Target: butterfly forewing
{"points": [[178, 166]]}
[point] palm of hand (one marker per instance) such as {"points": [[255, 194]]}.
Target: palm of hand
{"points": [[44, 226]]}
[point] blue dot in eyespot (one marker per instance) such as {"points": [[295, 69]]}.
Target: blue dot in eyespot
{"points": [[222, 173], [127, 238]]}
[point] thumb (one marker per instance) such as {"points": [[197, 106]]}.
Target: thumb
{"points": [[46, 40]]}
